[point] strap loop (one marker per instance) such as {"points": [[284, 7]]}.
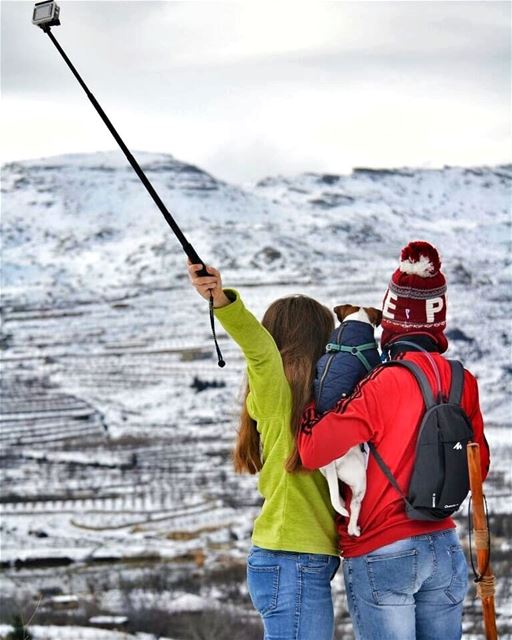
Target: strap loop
{"points": [[354, 350], [482, 541], [220, 360]]}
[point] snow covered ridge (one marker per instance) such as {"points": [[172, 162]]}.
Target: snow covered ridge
{"points": [[81, 227], [92, 209]]}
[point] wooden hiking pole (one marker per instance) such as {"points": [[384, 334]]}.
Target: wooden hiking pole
{"points": [[485, 581]]}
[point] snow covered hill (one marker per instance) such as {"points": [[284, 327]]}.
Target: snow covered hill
{"points": [[116, 425], [82, 228]]}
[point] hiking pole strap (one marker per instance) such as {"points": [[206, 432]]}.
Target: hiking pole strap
{"points": [[187, 247], [482, 542]]}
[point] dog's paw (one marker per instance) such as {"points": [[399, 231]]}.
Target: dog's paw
{"points": [[354, 530]]}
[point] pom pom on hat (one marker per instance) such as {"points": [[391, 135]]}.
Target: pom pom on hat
{"points": [[420, 258], [415, 301]]}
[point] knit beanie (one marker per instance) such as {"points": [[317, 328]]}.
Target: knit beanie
{"points": [[415, 301]]}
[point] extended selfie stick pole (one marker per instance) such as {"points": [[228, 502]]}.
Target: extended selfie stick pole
{"points": [[187, 247], [485, 580], [46, 15]]}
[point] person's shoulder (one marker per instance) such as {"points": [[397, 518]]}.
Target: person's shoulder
{"points": [[388, 376], [470, 381], [380, 379], [387, 370]]}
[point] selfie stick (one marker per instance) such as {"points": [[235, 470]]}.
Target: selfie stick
{"points": [[187, 247], [46, 15]]}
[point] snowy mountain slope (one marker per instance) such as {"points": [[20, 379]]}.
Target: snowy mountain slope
{"points": [[77, 217], [82, 227], [116, 424], [87, 224]]}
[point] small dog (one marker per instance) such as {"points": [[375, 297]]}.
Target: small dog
{"points": [[350, 468]]}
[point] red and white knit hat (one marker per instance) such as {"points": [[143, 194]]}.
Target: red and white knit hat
{"points": [[415, 301]]}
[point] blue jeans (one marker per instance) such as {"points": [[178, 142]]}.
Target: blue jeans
{"points": [[292, 593], [412, 589]]}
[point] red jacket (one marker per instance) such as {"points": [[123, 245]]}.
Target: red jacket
{"points": [[385, 409]]}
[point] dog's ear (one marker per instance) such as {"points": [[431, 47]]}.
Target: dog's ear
{"points": [[344, 310], [374, 315]]}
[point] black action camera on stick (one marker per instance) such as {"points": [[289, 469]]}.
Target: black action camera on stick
{"points": [[45, 16]]}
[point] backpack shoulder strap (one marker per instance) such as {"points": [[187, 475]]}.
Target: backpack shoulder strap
{"points": [[386, 471], [457, 382], [426, 389], [428, 398]]}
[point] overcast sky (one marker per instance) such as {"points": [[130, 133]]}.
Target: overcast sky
{"points": [[250, 89]]}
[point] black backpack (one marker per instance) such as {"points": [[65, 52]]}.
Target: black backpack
{"points": [[440, 479]]}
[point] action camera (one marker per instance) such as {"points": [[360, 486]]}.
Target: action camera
{"points": [[46, 14]]}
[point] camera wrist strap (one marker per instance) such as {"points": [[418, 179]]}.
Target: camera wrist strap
{"points": [[220, 359]]}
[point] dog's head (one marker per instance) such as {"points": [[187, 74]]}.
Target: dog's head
{"points": [[363, 314]]}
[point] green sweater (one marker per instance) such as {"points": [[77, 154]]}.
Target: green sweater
{"points": [[296, 513]]}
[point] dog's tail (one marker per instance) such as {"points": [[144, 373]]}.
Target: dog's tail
{"points": [[329, 472]]}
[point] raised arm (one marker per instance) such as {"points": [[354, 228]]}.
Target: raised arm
{"points": [[269, 389]]}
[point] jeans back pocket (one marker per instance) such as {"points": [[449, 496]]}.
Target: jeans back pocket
{"points": [[393, 576], [263, 585]]}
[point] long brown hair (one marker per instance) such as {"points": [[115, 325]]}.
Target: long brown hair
{"points": [[300, 327]]}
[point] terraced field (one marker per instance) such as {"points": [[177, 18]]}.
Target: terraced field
{"points": [[108, 480]]}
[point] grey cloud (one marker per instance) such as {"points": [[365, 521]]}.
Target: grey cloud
{"points": [[187, 60]]}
